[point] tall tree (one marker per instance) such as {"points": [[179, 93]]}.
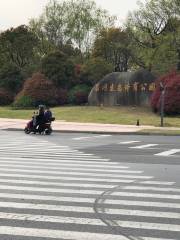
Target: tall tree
{"points": [[17, 46], [149, 27], [113, 45], [73, 20]]}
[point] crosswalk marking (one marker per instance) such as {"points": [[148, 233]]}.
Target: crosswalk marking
{"points": [[98, 175], [58, 234], [143, 203], [168, 153], [49, 191], [157, 183], [64, 162], [74, 169], [146, 195], [145, 146], [153, 188], [129, 142], [51, 219], [92, 179], [147, 225], [95, 136]]}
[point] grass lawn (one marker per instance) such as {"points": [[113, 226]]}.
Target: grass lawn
{"points": [[115, 115]]}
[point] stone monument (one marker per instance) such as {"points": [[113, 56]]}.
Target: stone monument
{"points": [[123, 88]]}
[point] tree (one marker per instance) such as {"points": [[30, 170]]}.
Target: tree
{"points": [[150, 27], [58, 68], [94, 69], [11, 78], [17, 46], [112, 44], [77, 21]]}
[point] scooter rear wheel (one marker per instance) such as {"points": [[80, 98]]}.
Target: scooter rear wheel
{"points": [[27, 130]]}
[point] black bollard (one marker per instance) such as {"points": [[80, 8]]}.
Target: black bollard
{"points": [[138, 123]]}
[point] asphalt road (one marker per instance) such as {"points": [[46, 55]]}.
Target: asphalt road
{"points": [[89, 186]]}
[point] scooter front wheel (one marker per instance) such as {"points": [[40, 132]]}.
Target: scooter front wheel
{"points": [[48, 131]]}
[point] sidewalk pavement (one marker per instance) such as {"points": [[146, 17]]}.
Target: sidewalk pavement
{"points": [[63, 126]]}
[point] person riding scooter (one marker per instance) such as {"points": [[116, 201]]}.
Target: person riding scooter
{"points": [[39, 118], [41, 122]]}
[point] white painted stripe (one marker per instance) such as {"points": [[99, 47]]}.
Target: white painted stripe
{"points": [[144, 146], [48, 207], [146, 225], [52, 219], [49, 190], [89, 200], [72, 166], [62, 208], [47, 198], [157, 183], [61, 184], [140, 213], [35, 156], [36, 147], [81, 138], [102, 136], [92, 179], [114, 176], [168, 153], [99, 136], [109, 172], [57, 234], [44, 153], [64, 162], [143, 203], [129, 142], [149, 238], [152, 189], [146, 195]]}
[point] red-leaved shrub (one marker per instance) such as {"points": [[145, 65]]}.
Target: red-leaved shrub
{"points": [[39, 89], [171, 82]]}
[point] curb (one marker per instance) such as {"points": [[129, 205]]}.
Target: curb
{"points": [[100, 132]]}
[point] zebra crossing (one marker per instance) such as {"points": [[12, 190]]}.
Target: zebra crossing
{"points": [[50, 191]]}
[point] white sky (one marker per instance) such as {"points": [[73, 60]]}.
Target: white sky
{"points": [[17, 12]]}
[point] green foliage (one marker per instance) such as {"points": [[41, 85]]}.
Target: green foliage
{"points": [[154, 30], [11, 78], [112, 44], [6, 97], [94, 70], [23, 102], [77, 20], [79, 94], [58, 68], [17, 45]]}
